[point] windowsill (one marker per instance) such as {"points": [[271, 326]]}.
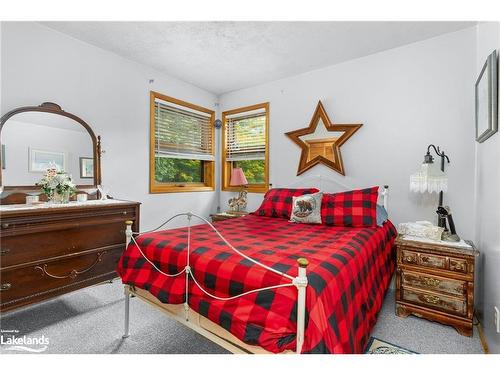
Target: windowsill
{"points": [[158, 189]]}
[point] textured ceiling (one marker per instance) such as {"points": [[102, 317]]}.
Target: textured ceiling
{"points": [[226, 56], [51, 120]]}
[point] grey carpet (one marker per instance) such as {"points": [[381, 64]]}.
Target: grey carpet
{"points": [[91, 321], [420, 335]]}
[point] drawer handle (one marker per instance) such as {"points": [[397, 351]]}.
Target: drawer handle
{"points": [[74, 273], [431, 299], [458, 266], [4, 251], [430, 281], [5, 225], [5, 286], [409, 259]]}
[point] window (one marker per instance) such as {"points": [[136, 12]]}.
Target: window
{"points": [[245, 145], [182, 146]]}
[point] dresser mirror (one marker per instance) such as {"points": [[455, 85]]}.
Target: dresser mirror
{"points": [[36, 138]]}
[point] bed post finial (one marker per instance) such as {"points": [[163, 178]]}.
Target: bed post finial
{"points": [[128, 232], [301, 283], [302, 262]]}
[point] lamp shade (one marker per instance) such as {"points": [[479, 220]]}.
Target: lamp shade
{"points": [[429, 179], [238, 177]]}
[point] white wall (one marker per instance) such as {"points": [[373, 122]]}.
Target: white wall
{"points": [[111, 94], [487, 203], [406, 98]]}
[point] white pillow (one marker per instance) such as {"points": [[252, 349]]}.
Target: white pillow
{"points": [[307, 208]]}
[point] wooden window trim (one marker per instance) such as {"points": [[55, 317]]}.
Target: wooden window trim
{"points": [[225, 167], [209, 166]]}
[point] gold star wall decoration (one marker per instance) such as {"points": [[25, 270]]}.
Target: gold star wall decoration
{"points": [[325, 148]]}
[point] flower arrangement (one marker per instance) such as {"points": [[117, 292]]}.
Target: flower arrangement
{"points": [[57, 185]]}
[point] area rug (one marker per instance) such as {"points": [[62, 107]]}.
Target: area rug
{"points": [[376, 346]]}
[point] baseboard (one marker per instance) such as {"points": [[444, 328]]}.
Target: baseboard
{"points": [[484, 343]]}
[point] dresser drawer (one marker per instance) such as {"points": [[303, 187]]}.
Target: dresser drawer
{"points": [[23, 284], [63, 218], [48, 242], [433, 283], [449, 304]]}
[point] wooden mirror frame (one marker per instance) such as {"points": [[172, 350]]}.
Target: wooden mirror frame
{"points": [[17, 194]]}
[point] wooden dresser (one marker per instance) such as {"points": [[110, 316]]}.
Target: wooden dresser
{"points": [[436, 282], [51, 250]]}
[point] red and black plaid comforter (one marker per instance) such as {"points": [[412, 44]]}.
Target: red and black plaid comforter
{"points": [[349, 271]]}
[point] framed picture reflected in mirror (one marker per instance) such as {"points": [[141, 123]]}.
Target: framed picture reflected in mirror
{"points": [[41, 160], [86, 167]]}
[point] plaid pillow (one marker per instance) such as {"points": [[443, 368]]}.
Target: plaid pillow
{"points": [[356, 208], [278, 202]]}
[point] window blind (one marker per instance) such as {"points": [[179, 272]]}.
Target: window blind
{"points": [[182, 133], [246, 136]]}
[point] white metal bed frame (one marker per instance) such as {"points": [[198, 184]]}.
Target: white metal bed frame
{"points": [[190, 318]]}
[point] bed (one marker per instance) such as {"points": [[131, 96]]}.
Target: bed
{"points": [[264, 285]]}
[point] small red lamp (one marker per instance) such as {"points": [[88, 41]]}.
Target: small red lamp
{"points": [[238, 178]]}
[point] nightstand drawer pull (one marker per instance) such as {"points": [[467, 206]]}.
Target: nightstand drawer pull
{"points": [[5, 286], [430, 281], [73, 273], [458, 265], [431, 299]]}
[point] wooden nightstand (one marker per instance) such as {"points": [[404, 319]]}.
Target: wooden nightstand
{"points": [[227, 215], [436, 281]]}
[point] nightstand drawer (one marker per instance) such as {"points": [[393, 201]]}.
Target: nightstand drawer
{"points": [[458, 265], [409, 257], [434, 283], [432, 261], [423, 259], [453, 305]]}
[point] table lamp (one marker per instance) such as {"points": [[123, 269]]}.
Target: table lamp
{"points": [[238, 178], [431, 178]]}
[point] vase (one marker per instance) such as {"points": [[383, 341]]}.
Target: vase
{"points": [[60, 198]]}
